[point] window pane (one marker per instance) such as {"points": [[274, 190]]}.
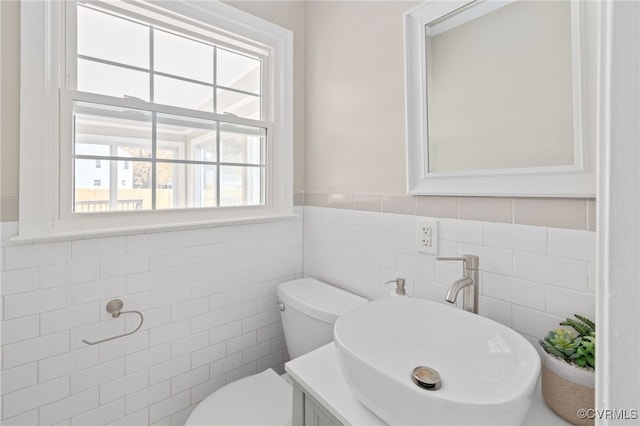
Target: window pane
{"points": [[93, 191], [242, 144], [247, 106], [134, 185], [185, 185], [170, 177], [237, 71], [205, 151], [182, 57], [110, 80], [105, 36], [93, 149], [167, 152], [205, 185], [241, 186], [133, 151], [111, 131], [91, 186], [189, 138], [171, 91]]}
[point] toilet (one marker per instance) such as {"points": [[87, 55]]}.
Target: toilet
{"points": [[309, 309]]}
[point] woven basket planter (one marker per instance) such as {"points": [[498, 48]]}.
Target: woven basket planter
{"points": [[567, 388]]}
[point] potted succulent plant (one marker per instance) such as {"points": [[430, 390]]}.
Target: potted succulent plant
{"points": [[568, 370]]}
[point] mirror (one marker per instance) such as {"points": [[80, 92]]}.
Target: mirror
{"points": [[495, 99]]}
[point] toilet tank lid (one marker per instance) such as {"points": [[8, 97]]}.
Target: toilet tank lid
{"points": [[317, 299]]}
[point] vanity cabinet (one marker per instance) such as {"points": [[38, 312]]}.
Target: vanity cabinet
{"points": [[308, 411], [321, 397]]}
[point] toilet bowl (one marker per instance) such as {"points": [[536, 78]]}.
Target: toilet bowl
{"points": [[309, 309], [261, 399]]}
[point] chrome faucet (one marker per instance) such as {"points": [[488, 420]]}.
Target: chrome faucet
{"points": [[468, 283]]}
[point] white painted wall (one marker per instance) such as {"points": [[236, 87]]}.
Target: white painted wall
{"points": [[10, 52], [354, 97]]}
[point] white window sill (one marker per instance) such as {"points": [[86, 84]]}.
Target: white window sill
{"points": [[145, 229]]}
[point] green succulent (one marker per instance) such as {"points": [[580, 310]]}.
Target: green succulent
{"points": [[583, 326], [577, 348], [587, 352], [561, 343]]}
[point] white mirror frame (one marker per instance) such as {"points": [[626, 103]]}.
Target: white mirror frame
{"points": [[578, 180]]}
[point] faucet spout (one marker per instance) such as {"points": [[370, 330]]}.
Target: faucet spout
{"points": [[468, 283], [454, 289]]}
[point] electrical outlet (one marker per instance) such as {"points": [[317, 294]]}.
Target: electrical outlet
{"points": [[427, 236]]}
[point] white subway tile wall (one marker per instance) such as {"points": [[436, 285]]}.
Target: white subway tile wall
{"points": [[531, 277], [208, 299]]}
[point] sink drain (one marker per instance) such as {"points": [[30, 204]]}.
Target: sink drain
{"points": [[426, 378]]}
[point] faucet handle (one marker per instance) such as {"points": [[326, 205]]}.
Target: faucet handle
{"points": [[470, 261], [400, 290]]}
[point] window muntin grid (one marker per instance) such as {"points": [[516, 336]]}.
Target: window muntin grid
{"points": [[145, 156], [166, 161], [173, 70]]}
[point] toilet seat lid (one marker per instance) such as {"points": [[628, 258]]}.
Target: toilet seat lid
{"points": [[261, 399]]}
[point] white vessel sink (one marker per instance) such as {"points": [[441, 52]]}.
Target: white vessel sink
{"points": [[488, 371]]}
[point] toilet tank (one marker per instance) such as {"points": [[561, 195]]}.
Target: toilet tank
{"points": [[311, 308]]}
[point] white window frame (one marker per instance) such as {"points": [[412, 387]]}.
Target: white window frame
{"points": [[577, 180], [42, 90]]}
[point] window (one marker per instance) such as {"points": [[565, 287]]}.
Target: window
{"points": [[171, 88], [181, 108]]}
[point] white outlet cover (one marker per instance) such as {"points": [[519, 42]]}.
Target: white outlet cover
{"points": [[423, 224]]}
